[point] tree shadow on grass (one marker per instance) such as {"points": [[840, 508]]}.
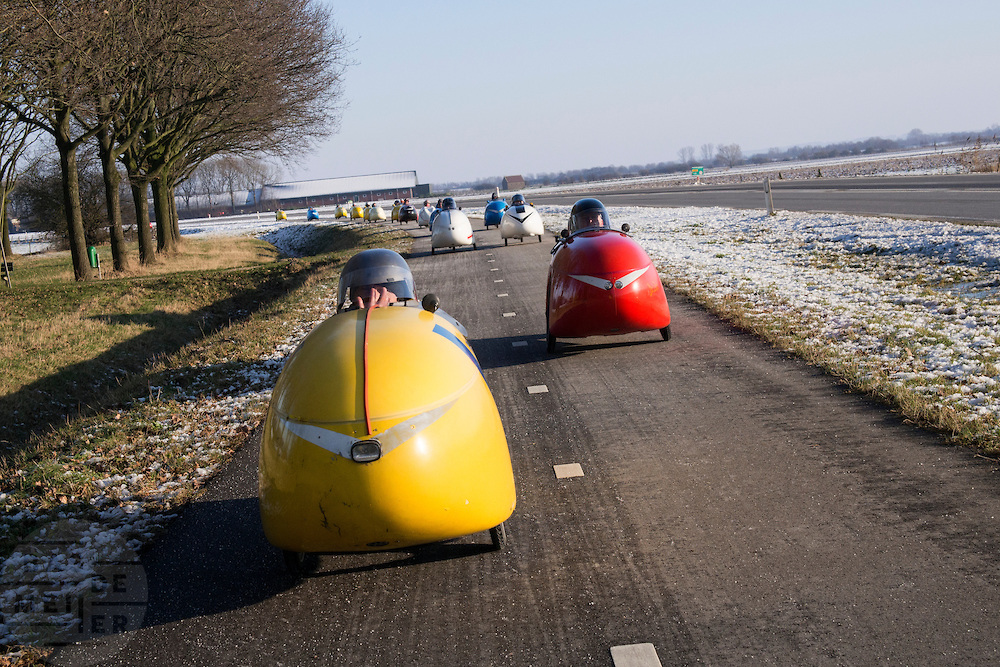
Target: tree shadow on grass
{"points": [[97, 383]]}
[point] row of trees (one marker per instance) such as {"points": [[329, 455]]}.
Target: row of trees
{"points": [[39, 197], [162, 86], [14, 140], [228, 176], [730, 155]]}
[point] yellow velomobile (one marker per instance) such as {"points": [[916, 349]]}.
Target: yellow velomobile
{"points": [[382, 432], [341, 212], [280, 215], [357, 212]]}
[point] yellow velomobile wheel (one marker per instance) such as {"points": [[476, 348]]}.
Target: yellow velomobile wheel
{"points": [[381, 434]]}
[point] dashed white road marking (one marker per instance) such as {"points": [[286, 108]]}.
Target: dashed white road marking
{"points": [[504, 294], [538, 388], [509, 314], [494, 269], [564, 470], [635, 655], [498, 280]]}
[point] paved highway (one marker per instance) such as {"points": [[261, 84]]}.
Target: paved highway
{"points": [[736, 507], [970, 198]]}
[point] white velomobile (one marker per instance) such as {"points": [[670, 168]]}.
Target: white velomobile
{"points": [[451, 228], [425, 215], [520, 220]]}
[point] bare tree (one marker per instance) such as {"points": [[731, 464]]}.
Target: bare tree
{"points": [[210, 181], [112, 183], [61, 50], [166, 85], [916, 137], [259, 173], [230, 170], [257, 77], [686, 155], [15, 137], [118, 108], [189, 188], [730, 155], [707, 153]]}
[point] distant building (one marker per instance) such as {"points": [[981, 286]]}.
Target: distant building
{"points": [[302, 194], [327, 191], [513, 183]]}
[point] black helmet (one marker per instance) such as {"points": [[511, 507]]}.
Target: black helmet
{"points": [[376, 267], [448, 203], [588, 213], [517, 199]]}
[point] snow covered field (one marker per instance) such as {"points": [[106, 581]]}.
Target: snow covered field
{"points": [[916, 302]]}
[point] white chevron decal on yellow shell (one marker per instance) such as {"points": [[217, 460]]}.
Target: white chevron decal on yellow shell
{"points": [[340, 444]]}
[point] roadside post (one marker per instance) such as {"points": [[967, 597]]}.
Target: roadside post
{"points": [[769, 200], [697, 172]]}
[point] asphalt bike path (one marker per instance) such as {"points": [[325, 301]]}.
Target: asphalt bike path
{"points": [[725, 504]]}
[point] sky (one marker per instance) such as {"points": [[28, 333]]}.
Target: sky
{"points": [[461, 91]]}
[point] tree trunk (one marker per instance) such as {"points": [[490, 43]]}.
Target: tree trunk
{"points": [[166, 240], [175, 220], [71, 196], [4, 224], [112, 179], [147, 251]]}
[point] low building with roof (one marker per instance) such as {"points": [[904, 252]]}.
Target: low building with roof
{"points": [[329, 191], [303, 194], [511, 183]]}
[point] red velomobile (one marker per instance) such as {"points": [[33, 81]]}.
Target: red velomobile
{"points": [[601, 282]]}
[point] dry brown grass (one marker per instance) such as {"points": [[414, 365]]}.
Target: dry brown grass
{"points": [[38, 347], [193, 255], [979, 159], [54, 335], [207, 255]]}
